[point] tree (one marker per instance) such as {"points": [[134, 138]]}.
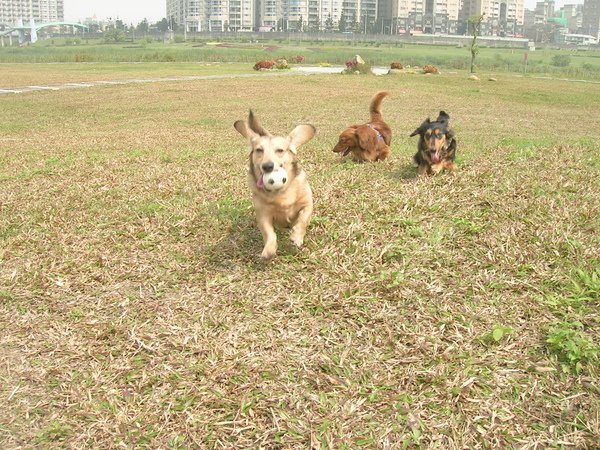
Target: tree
{"points": [[300, 24], [354, 24], [475, 28], [142, 27], [163, 25], [329, 24], [343, 23], [315, 27], [119, 25]]}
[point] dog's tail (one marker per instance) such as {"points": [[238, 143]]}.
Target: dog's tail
{"points": [[375, 108]]}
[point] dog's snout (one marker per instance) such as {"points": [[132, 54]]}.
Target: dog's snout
{"points": [[268, 167]]}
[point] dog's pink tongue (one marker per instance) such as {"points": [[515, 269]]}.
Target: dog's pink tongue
{"points": [[260, 183], [435, 158]]}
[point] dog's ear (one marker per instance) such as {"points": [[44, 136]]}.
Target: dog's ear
{"points": [[422, 128], [366, 140], [256, 126], [243, 129], [301, 135], [443, 118]]}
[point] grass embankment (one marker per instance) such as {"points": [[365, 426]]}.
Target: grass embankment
{"points": [[447, 312]]}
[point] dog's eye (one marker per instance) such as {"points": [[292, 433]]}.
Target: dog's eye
{"points": [[279, 150], [258, 150]]}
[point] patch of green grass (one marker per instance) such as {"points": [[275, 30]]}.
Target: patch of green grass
{"points": [[570, 340], [524, 148], [55, 432], [571, 344]]}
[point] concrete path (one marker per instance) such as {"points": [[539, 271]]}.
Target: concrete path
{"points": [[87, 84], [306, 70]]}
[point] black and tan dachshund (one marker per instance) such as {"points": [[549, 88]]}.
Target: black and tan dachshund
{"points": [[436, 149]]}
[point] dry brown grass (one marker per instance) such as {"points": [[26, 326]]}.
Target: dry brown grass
{"points": [[134, 310]]}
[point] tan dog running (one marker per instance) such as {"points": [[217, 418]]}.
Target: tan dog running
{"points": [[280, 191]]}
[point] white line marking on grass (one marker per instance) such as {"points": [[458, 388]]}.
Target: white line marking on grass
{"points": [[43, 88]]}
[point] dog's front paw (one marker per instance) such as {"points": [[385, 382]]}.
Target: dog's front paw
{"points": [[297, 236], [297, 240], [269, 252]]}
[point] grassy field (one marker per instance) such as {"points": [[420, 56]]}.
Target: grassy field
{"points": [[447, 312], [581, 63]]}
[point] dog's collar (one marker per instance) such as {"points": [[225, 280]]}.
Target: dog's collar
{"points": [[379, 135]]}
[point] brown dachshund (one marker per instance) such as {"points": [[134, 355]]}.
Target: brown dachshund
{"points": [[369, 141]]}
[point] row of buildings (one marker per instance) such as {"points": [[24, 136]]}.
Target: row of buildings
{"points": [[383, 16], [502, 17]]}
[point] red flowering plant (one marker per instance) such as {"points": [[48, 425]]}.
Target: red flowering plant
{"points": [[297, 59], [353, 67], [430, 68], [265, 64], [396, 65]]}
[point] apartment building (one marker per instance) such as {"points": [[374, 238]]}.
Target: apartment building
{"points": [[543, 11], [573, 14], [213, 15], [425, 16], [591, 18], [12, 11], [501, 17]]}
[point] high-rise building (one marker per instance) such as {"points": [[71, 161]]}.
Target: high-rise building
{"points": [[12, 11], [427, 16], [543, 11], [501, 17], [591, 18], [213, 15], [573, 15]]}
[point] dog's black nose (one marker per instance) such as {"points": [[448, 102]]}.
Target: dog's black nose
{"points": [[268, 167]]}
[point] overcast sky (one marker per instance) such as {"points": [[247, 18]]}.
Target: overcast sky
{"points": [[133, 11], [129, 11]]}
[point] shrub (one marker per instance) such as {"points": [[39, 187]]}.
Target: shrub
{"points": [[396, 65], [297, 59], [281, 64], [264, 65], [352, 68], [72, 41], [430, 68], [114, 35], [561, 60]]}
